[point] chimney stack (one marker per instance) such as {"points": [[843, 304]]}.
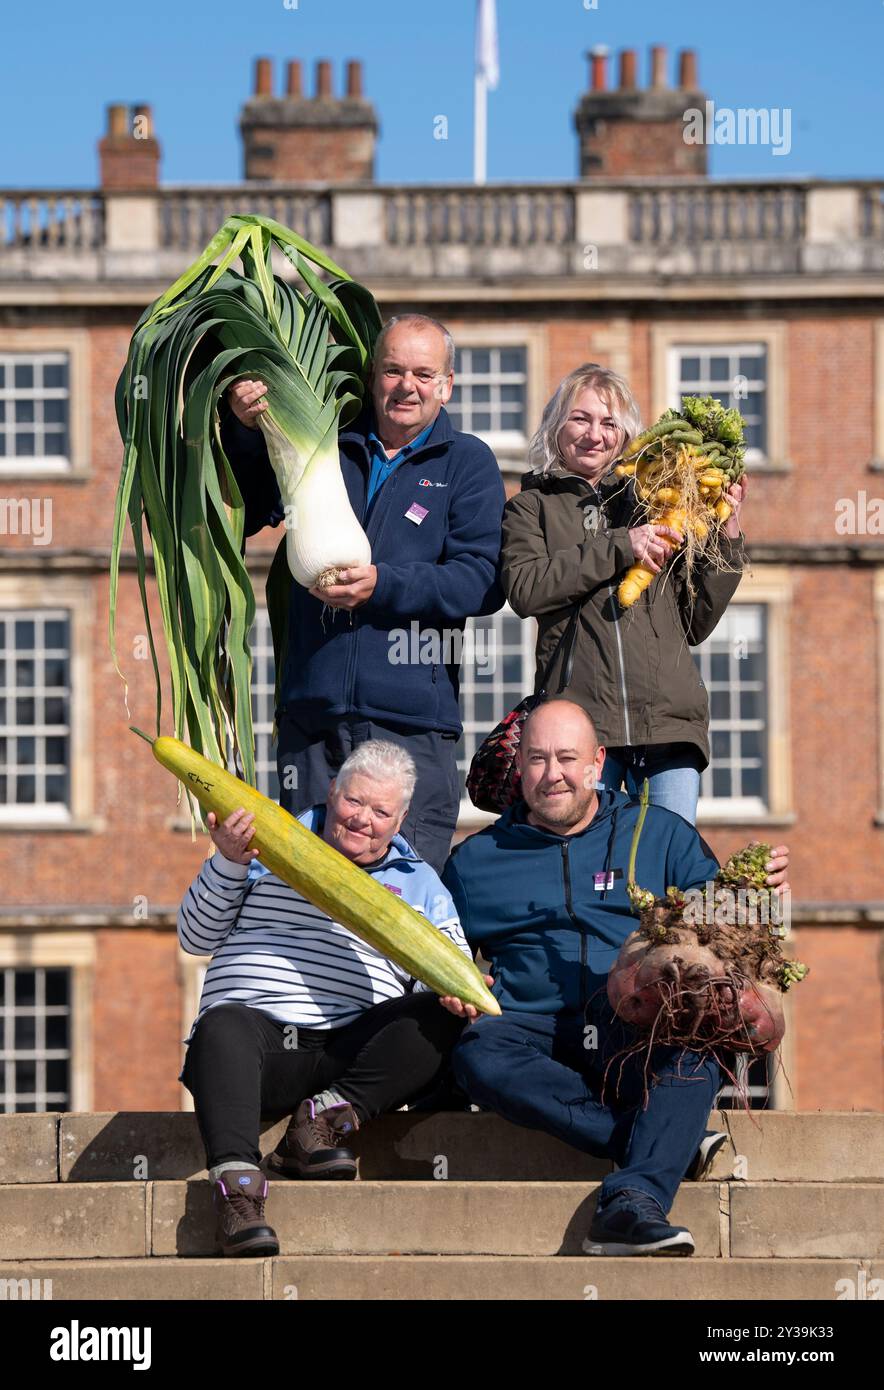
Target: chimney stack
{"points": [[639, 132], [128, 152], [300, 139]]}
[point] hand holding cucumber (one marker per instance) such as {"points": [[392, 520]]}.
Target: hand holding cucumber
{"points": [[232, 838]]}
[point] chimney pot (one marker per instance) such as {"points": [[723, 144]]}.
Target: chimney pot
{"points": [[263, 77], [658, 66], [627, 69], [118, 120], [293, 82], [687, 71], [142, 122], [323, 79], [599, 64], [354, 79]]}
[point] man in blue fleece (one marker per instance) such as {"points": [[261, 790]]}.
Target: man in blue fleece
{"points": [[377, 655], [550, 937]]}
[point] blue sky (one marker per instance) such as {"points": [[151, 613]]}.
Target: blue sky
{"points": [[192, 60]]}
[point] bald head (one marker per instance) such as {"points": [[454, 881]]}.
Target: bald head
{"points": [[566, 716], [560, 762]]}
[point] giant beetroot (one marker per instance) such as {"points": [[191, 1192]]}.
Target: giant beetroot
{"points": [[705, 970]]}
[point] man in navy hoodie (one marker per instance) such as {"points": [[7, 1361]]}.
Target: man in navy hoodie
{"points": [[550, 938], [377, 655]]}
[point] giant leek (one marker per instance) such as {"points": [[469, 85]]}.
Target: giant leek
{"points": [[312, 346]]}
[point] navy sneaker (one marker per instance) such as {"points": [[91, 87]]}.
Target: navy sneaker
{"points": [[712, 1143], [632, 1223]]}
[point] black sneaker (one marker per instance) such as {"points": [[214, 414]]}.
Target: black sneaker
{"points": [[712, 1143], [632, 1223]]}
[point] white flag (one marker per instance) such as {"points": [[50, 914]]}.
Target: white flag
{"points": [[487, 64]]}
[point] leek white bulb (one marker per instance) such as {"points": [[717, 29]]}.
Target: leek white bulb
{"points": [[323, 535]]}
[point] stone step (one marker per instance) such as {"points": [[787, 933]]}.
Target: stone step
{"points": [[112, 1220], [120, 1147], [451, 1277]]}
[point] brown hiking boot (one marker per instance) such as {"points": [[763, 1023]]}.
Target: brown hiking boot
{"points": [[240, 1227], [311, 1146]]}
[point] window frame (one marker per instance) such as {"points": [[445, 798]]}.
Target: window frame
{"points": [[772, 587], [74, 951], [470, 816], [512, 452], [30, 593], [754, 458], [191, 974], [674, 334], [74, 342], [878, 599], [745, 807], [260, 726]]}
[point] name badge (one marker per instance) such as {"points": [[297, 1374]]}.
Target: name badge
{"points": [[605, 882], [416, 513]]}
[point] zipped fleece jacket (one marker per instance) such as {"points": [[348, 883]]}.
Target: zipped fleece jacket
{"points": [[550, 912], [434, 530], [565, 540]]}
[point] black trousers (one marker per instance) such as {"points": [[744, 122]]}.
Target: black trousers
{"points": [[310, 752], [241, 1065]]}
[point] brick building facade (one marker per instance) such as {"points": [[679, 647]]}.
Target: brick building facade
{"points": [[771, 292]]}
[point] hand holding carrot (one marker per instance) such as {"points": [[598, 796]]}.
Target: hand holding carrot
{"points": [[649, 544], [735, 497]]}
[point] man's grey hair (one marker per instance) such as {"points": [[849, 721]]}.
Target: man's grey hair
{"points": [[422, 321], [381, 759]]}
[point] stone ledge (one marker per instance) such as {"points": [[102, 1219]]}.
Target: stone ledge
{"points": [[775, 1146]]}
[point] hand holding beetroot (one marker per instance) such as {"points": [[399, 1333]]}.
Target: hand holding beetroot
{"points": [[705, 969]]}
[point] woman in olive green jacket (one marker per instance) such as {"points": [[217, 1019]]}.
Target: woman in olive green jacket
{"points": [[568, 536]]}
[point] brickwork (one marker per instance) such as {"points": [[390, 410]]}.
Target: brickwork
{"points": [[835, 845]]}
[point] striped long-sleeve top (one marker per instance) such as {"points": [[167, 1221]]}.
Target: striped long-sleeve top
{"points": [[273, 950]]}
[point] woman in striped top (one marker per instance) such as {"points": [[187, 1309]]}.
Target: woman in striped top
{"points": [[297, 1013]]}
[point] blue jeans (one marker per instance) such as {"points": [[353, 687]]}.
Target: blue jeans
{"points": [[672, 770], [535, 1070]]}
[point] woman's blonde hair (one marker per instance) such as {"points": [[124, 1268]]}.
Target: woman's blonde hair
{"points": [[543, 451]]}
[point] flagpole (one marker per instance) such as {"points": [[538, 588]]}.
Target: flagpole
{"points": [[480, 129]]}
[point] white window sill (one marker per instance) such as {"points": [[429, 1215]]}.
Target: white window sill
{"points": [[15, 470], [470, 817], [723, 816], [766, 465], [94, 825]]}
